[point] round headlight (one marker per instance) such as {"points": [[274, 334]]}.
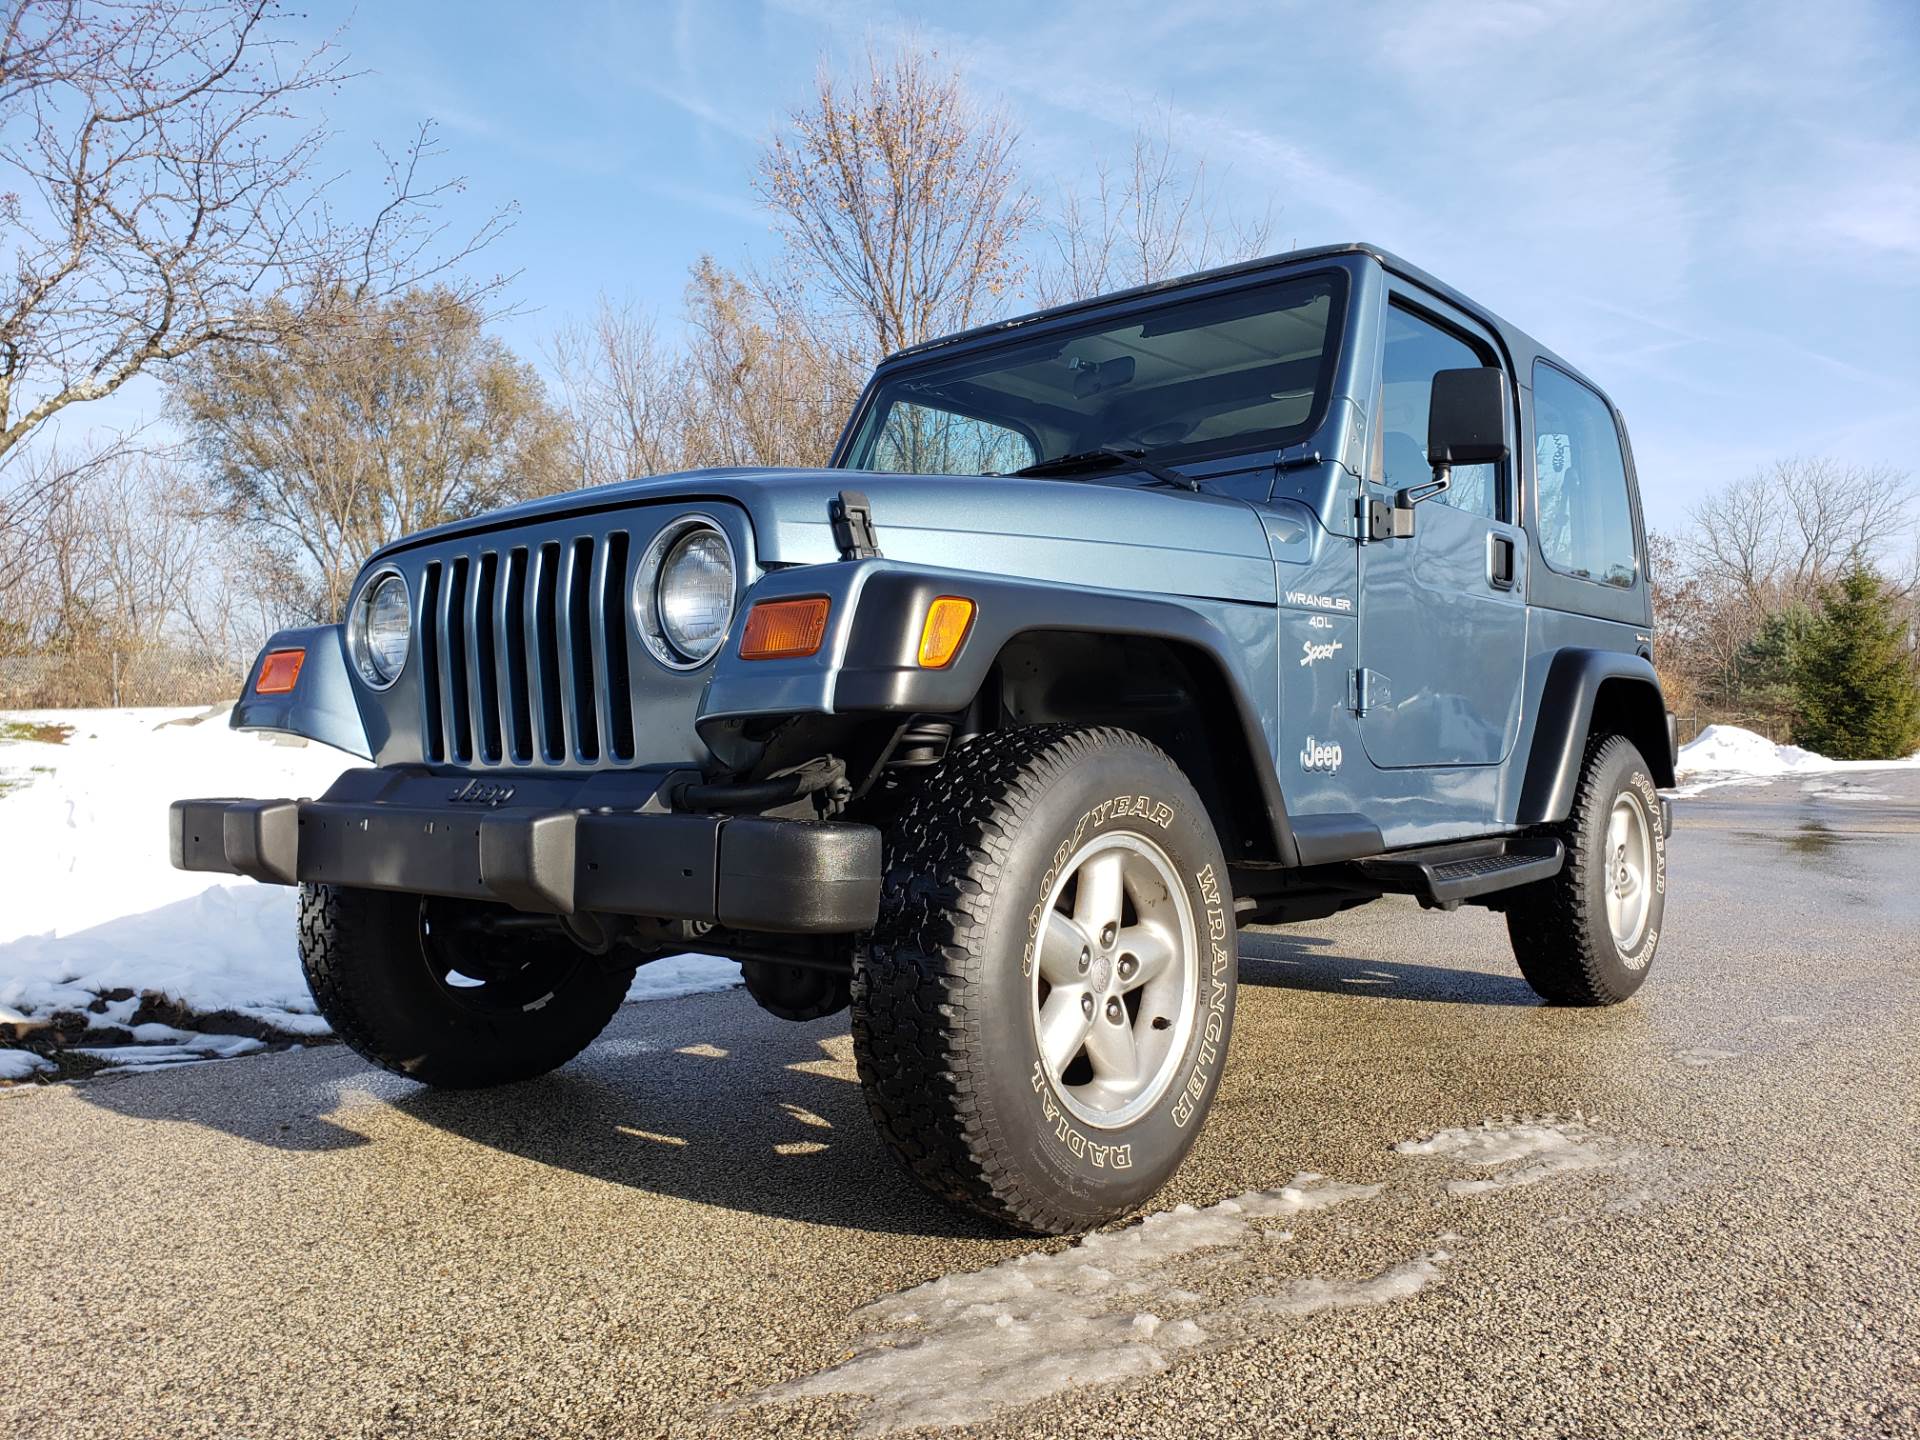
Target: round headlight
{"points": [[683, 594], [380, 630]]}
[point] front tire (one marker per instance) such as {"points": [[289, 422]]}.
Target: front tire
{"points": [[1587, 936], [1043, 1011], [409, 989]]}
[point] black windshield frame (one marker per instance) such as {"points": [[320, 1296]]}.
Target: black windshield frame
{"points": [[943, 366]]}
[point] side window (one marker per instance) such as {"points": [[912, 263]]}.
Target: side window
{"points": [[1416, 347], [1586, 521], [922, 440]]}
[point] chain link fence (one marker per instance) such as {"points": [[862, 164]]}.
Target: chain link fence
{"points": [[93, 679]]}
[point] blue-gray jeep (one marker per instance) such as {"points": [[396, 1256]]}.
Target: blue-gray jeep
{"points": [[1243, 598]]}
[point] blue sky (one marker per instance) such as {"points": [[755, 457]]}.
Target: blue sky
{"points": [[1714, 209]]}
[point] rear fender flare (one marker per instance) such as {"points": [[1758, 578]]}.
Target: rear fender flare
{"points": [[1625, 690]]}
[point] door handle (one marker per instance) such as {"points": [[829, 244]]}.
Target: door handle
{"points": [[1500, 561]]}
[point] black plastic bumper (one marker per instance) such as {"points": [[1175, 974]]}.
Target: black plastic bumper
{"points": [[746, 872]]}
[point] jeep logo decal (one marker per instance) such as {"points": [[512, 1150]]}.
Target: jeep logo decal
{"points": [[481, 792], [1315, 756]]}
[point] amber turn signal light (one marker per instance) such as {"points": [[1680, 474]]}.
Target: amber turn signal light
{"points": [[948, 620], [785, 629], [279, 672]]}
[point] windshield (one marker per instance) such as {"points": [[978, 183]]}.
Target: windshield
{"points": [[1248, 369]]}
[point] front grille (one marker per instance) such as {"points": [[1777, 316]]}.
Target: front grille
{"points": [[523, 654]]}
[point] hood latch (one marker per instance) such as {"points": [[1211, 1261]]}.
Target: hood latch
{"points": [[852, 516]]}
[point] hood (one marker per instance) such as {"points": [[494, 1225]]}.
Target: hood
{"points": [[1100, 533]]}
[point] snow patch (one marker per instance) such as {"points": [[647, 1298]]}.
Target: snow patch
{"points": [[21, 1065], [93, 904], [1726, 755], [1522, 1152], [679, 975], [1115, 1306]]}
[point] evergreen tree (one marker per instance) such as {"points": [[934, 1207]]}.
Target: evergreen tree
{"points": [[1767, 669], [1854, 675]]}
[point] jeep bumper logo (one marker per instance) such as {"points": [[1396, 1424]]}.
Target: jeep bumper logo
{"points": [[481, 792]]}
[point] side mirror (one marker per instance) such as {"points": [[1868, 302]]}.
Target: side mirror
{"points": [[1467, 418]]}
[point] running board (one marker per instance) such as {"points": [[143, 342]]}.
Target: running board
{"points": [[1448, 875]]}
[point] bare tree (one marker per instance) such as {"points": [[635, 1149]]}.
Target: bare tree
{"points": [[772, 381], [159, 187], [369, 420], [899, 199], [31, 492], [1780, 535], [1156, 218], [625, 393]]}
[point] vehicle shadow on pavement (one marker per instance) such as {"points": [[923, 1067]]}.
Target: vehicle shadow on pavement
{"points": [[1290, 961], [745, 1120], [222, 1095]]}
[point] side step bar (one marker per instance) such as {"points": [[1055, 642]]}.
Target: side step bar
{"points": [[1445, 876]]}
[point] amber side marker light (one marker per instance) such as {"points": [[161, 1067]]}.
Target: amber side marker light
{"points": [[785, 629], [279, 672], [948, 620]]}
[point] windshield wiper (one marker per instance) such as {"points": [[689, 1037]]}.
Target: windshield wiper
{"points": [[1108, 457]]}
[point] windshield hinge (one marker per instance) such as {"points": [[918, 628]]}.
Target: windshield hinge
{"points": [[852, 516]]}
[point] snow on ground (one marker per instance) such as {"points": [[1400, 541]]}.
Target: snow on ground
{"points": [[1522, 1152], [1116, 1306], [1123, 1304], [1727, 755], [92, 906], [21, 1065]]}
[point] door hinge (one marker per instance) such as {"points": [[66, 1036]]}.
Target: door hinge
{"points": [[851, 514], [1366, 690]]}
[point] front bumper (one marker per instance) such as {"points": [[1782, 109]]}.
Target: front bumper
{"points": [[552, 846]]}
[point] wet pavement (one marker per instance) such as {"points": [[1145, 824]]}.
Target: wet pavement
{"points": [[1712, 1226]]}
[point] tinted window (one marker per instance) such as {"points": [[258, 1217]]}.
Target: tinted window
{"points": [[1242, 370], [1586, 520], [1416, 347]]}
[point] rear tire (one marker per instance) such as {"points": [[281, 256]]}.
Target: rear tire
{"points": [[1587, 936], [1059, 881], [460, 1014]]}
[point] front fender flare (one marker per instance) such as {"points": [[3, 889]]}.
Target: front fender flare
{"points": [[321, 705], [870, 661]]}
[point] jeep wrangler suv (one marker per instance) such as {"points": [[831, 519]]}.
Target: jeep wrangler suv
{"points": [[1240, 599]]}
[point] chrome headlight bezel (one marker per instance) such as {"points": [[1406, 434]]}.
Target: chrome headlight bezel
{"points": [[368, 665], [655, 572]]}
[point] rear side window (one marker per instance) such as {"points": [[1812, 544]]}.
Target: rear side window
{"points": [[1586, 521]]}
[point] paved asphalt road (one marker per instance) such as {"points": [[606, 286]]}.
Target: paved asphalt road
{"points": [[293, 1244]]}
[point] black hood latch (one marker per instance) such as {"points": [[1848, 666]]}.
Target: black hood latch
{"points": [[852, 516]]}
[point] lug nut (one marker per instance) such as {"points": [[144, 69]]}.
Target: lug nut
{"points": [[1086, 1006], [1106, 935], [1086, 959], [1127, 967], [1115, 1010]]}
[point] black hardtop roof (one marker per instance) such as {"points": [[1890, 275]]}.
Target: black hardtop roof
{"points": [[1520, 346]]}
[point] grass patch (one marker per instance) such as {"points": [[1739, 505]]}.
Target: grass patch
{"points": [[37, 732]]}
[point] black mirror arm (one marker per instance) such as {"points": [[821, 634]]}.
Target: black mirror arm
{"points": [[1441, 483]]}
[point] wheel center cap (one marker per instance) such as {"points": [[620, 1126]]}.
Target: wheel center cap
{"points": [[1100, 973]]}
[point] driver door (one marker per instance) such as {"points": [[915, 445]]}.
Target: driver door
{"points": [[1443, 625]]}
